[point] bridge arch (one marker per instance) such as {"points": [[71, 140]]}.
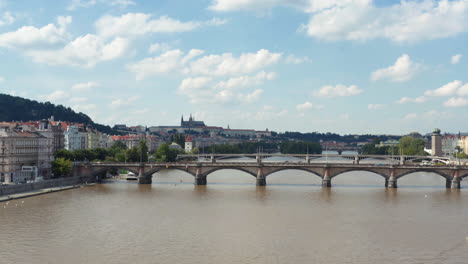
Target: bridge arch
{"points": [[436, 172], [318, 174], [211, 170], [100, 170], [153, 171], [373, 171]]}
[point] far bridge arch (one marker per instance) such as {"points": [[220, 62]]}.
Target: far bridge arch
{"points": [[445, 175], [317, 172], [158, 169], [334, 172], [99, 170], [250, 171]]}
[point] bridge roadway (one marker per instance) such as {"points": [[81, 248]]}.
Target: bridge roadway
{"points": [[261, 170]]}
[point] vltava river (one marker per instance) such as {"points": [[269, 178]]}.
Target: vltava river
{"points": [[292, 220]]}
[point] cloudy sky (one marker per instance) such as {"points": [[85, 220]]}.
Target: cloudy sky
{"points": [[345, 66]]}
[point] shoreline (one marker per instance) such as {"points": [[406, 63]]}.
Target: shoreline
{"points": [[16, 196]]}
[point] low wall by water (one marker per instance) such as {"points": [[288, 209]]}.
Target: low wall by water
{"points": [[27, 187]]}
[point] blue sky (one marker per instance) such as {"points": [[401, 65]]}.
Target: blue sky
{"points": [[344, 66]]}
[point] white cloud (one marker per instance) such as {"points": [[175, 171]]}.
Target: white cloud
{"points": [[338, 90], [236, 5], [2, 79], [159, 47], [307, 106], [307, 6], [446, 90], [304, 107], [375, 106], [249, 97], [122, 3], [227, 64], [245, 81], [116, 103], [75, 4], [208, 90], [78, 99], [85, 51], [403, 70], [266, 113], [292, 59], [29, 36], [81, 3], [407, 21], [463, 90], [411, 116], [456, 59], [209, 65], [345, 116], [456, 102], [169, 61], [137, 24], [6, 19], [84, 87], [418, 100]]}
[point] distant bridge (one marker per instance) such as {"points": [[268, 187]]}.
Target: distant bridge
{"points": [[261, 170]]}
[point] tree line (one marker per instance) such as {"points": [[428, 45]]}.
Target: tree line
{"points": [[407, 145]]}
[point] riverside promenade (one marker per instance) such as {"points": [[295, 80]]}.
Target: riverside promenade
{"points": [[17, 191]]}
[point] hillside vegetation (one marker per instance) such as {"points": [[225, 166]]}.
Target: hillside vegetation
{"points": [[14, 108]]}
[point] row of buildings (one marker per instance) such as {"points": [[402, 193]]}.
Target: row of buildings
{"points": [[27, 148], [448, 144]]}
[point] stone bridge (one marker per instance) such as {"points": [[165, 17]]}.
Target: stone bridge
{"points": [[355, 158], [326, 171]]}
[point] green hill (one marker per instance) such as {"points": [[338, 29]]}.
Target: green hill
{"points": [[14, 108]]}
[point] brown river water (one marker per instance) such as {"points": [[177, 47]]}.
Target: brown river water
{"points": [[291, 220]]}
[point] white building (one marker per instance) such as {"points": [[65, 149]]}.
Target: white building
{"points": [[188, 144], [75, 137], [450, 143], [24, 155]]}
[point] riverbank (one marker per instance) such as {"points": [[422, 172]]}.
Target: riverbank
{"points": [[9, 190], [40, 192]]}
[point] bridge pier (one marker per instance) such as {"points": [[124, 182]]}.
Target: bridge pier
{"points": [[326, 180], [455, 180], [200, 180], [261, 179], [145, 180], [356, 160], [402, 160], [391, 182], [142, 178], [448, 183]]}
